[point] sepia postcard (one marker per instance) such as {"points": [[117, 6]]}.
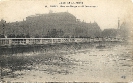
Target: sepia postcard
{"points": [[66, 41]]}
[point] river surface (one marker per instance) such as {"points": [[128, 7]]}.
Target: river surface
{"points": [[110, 64]]}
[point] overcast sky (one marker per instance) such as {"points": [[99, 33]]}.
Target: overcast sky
{"points": [[105, 13]]}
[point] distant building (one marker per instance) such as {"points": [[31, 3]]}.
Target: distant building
{"points": [[63, 24], [110, 33], [62, 17], [124, 31]]}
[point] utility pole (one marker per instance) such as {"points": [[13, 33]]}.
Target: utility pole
{"points": [[118, 29]]}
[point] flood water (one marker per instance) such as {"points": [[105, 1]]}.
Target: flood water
{"points": [[113, 63]]}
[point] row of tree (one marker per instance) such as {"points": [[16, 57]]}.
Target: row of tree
{"points": [[54, 33], [56, 26]]}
